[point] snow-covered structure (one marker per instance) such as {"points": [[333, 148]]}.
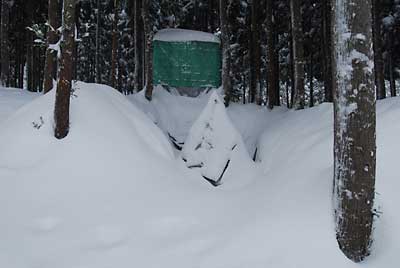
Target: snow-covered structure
{"points": [[187, 60], [213, 145]]}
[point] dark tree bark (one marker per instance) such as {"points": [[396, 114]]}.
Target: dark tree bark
{"points": [[4, 43], [327, 50], [226, 52], [61, 110], [149, 49], [378, 58], [138, 41], [271, 57], [114, 52], [391, 66], [50, 72], [355, 121], [298, 53], [311, 79], [97, 52], [255, 54]]}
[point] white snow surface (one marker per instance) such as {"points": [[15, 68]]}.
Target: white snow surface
{"points": [[112, 194], [183, 35], [214, 146]]}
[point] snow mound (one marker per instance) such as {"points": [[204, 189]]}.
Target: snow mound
{"points": [[213, 145], [182, 35], [99, 123]]}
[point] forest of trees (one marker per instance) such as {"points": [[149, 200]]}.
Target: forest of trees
{"points": [[281, 52]]}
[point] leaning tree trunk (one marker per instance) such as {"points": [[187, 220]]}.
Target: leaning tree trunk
{"points": [[149, 49], [226, 52], [355, 121], [4, 49], [50, 70], [378, 58], [298, 53], [63, 93], [138, 40]]}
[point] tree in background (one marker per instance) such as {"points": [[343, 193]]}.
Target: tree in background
{"points": [[63, 93], [4, 43], [226, 52], [327, 50], [255, 54], [114, 52], [54, 22], [138, 45], [378, 57], [148, 30], [273, 86], [298, 54], [355, 121]]}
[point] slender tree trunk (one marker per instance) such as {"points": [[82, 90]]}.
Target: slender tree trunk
{"points": [[355, 121], [291, 68], [255, 54], [327, 50], [149, 49], [378, 58], [61, 110], [226, 52], [50, 72], [391, 66], [97, 52], [276, 63], [298, 53], [271, 57], [138, 40], [311, 79], [4, 43], [114, 53]]}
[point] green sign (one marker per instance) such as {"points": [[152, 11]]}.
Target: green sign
{"points": [[187, 64]]}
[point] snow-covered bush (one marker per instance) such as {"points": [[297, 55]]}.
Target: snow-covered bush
{"points": [[214, 145]]}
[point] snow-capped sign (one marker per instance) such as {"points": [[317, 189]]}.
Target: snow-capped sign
{"points": [[213, 144], [183, 35]]}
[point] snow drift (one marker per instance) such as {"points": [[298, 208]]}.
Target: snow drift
{"points": [[112, 195]]}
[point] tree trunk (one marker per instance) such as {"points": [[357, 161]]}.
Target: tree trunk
{"points": [[61, 110], [298, 53], [355, 121], [255, 54], [4, 49], [327, 50], [311, 79], [50, 72], [138, 40], [114, 53], [97, 52], [378, 58], [391, 66], [226, 52], [149, 49], [271, 57]]}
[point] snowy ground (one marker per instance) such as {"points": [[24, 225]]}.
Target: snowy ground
{"points": [[115, 194]]}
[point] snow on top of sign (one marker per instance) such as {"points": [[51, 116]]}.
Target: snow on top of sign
{"points": [[182, 35]]}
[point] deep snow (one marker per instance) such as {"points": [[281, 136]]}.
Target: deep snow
{"points": [[113, 194]]}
